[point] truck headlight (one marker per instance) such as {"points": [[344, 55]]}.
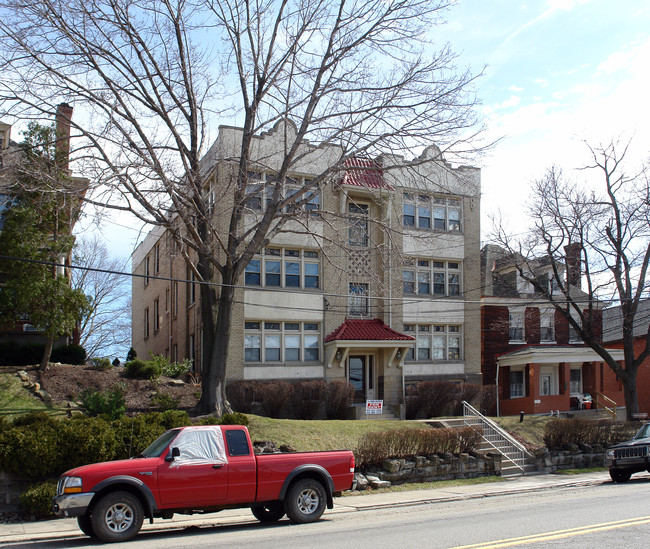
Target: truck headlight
{"points": [[71, 485], [609, 454]]}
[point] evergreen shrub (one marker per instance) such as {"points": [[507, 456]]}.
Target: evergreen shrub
{"points": [[111, 402], [37, 499], [68, 354], [141, 369]]}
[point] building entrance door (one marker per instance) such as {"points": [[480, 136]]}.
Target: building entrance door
{"points": [[361, 375]]}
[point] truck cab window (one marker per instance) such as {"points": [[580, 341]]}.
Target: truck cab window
{"points": [[237, 443]]}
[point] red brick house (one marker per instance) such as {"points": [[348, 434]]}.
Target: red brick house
{"points": [[612, 337], [528, 350]]}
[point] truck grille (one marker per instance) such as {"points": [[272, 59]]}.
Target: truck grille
{"points": [[632, 452], [59, 486]]}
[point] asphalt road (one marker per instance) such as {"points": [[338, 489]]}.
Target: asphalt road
{"points": [[606, 515]]}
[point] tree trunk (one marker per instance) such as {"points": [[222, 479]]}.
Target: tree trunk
{"points": [[216, 344], [631, 394], [49, 343]]}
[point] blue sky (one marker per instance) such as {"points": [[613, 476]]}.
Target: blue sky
{"points": [[557, 73]]}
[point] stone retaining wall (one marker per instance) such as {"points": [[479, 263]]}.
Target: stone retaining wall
{"points": [[429, 468], [10, 489], [576, 457]]}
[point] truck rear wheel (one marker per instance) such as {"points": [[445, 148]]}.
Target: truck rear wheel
{"points": [[117, 516], [271, 511], [620, 475], [305, 501]]}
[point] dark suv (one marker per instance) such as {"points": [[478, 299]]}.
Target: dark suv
{"points": [[629, 457]]}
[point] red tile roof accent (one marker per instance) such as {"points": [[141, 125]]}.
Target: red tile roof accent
{"points": [[364, 173], [366, 330]]}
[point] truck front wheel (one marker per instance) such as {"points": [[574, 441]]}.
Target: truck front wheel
{"points": [[305, 501], [85, 525], [117, 516], [620, 475], [271, 511]]}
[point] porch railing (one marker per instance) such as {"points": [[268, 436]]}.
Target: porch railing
{"points": [[511, 450], [601, 399]]}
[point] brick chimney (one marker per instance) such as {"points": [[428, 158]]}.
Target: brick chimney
{"points": [[63, 118], [573, 259]]}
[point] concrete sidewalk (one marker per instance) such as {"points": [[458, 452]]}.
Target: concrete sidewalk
{"points": [[58, 529]]}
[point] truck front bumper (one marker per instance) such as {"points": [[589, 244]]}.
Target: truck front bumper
{"points": [[71, 505]]}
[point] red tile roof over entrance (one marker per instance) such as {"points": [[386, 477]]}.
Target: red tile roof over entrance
{"points": [[366, 330], [364, 173]]}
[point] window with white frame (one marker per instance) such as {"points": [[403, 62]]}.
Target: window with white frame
{"points": [[358, 300], [435, 341], [517, 384], [284, 268], [431, 277], [358, 224], [437, 212], [547, 327], [273, 341], [516, 326]]}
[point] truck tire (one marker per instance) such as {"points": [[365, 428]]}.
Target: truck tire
{"points": [[620, 475], [85, 525], [271, 511], [117, 516], [305, 501]]}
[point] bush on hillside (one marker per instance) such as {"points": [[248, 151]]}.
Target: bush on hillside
{"points": [[13, 354], [37, 499], [101, 363], [374, 448], [307, 397], [111, 402], [142, 369], [338, 399], [241, 394], [69, 354], [559, 434], [273, 396]]}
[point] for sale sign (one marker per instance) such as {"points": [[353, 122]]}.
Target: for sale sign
{"points": [[374, 406]]}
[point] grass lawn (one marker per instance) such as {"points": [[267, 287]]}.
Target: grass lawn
{"points": [[531, 430], [306, 436], [16, 401]]}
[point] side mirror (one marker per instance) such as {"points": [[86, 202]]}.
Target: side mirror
{"points": [[174, 453]]}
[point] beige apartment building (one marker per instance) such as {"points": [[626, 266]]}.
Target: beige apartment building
{"points": [[376, 281]]}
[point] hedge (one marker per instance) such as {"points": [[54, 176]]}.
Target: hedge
{"points": [[37, 447], [374, 448]]}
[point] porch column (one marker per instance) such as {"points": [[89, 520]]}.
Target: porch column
{"points": [[564, 374], [533, 380]]}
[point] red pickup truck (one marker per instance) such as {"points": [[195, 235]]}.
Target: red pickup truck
{"points": [[200, 469]]}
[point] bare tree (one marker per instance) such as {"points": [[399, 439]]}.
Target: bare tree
{"points": [[106, 326], [598, 246], [355, 76]]}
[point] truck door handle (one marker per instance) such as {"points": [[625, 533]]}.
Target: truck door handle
{"points": [[217, 466]]}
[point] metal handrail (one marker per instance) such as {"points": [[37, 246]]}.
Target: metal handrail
{"points": [[508, 447], [611, 411]]}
